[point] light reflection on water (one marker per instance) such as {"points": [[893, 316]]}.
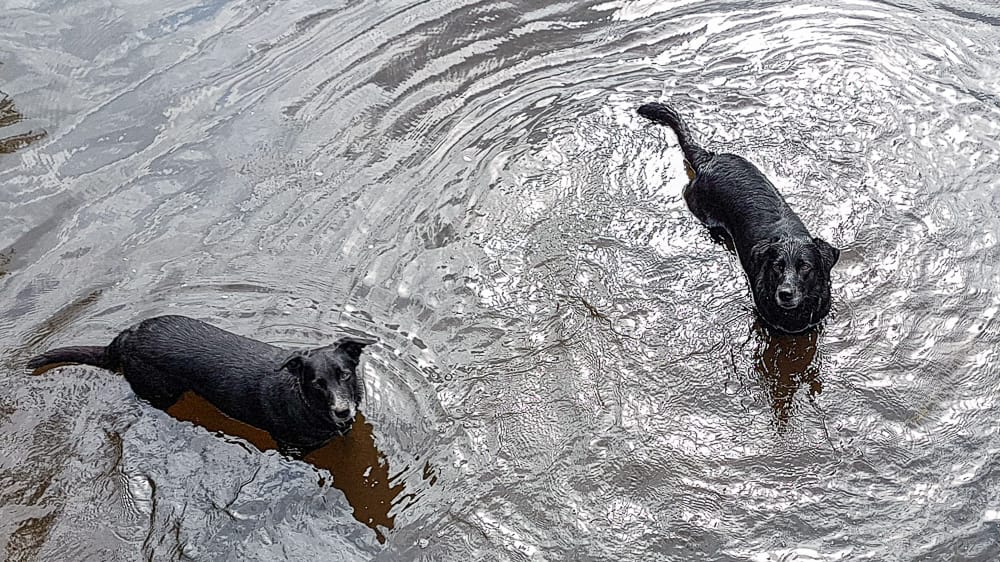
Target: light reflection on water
{"points": [[569, 366]]}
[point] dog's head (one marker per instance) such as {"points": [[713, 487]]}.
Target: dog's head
{"points": [[790, 280], [329, 379]]}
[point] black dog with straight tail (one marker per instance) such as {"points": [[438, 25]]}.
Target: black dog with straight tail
{"points": [[788, 269], [303, 399]]}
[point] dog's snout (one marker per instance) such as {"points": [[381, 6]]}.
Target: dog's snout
{"points": [[341, 410], [787, 297]]}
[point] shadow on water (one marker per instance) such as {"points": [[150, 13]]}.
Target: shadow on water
{"points": [[358, 468], [784, 363]]}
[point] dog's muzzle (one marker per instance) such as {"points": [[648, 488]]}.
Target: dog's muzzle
{"points": [[787, 297], [342, 412]]}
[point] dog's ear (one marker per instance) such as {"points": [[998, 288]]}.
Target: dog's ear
{"points": [[350, 349], [829, 254], [295, 364]]}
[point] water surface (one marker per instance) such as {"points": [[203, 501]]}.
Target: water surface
{"points": [[568, 366]]}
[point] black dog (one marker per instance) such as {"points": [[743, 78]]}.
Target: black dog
{"points": [[303, 399], [788, 269]]}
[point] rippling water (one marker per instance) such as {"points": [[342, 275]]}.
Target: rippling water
{"points": [[569, 367]]}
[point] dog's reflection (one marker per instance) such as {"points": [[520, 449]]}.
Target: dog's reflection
{"points": [[359, 470], [785, 362]]}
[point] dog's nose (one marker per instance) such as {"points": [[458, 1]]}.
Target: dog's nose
{"points": [[786, 296]]}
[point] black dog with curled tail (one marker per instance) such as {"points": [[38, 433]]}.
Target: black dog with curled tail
{"points": [[788, 269], [303, 399]]}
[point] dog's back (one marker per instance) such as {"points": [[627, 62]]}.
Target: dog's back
{"points": [[165, 356], [728, 191]]}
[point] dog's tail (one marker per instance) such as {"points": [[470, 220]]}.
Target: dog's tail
{"points": [[664, 115], [95, 355]]}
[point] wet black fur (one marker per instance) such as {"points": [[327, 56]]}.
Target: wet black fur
{"points": [[303, 399], [788, 269]]}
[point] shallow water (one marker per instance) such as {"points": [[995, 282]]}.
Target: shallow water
{"points": [[568, 366]]}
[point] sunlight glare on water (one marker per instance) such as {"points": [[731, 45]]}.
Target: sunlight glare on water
{"points": [[568, 366]]}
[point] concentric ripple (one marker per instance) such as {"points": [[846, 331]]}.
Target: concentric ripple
{"points": [[568, 366]]}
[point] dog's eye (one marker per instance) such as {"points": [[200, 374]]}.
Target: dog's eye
{"points": [[778, 266], [346, 376], [805, 267]]}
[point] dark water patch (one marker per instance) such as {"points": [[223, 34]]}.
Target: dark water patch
{"points": [[5, 259], [11, 139], [981, 17]]}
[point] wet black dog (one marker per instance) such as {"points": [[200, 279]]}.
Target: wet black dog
{"points": [[788, 269], [303, 399]]}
